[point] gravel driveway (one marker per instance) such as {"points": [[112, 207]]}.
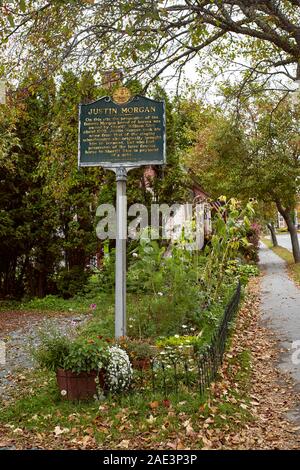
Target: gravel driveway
{"points": [[18, 330]]}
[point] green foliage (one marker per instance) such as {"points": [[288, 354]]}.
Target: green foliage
{"points": [[250, 251], [145, 273], [132, 35], [137, 350], [62, 351], [181, 343], [47, 206], [102, 325], [106, 275], [52, 350], [44, 213], [214, 146], [156, 315], [8, 139], [86, 355], [167, 289], [250, 154], [28, 237], [71, 281], [242, 272], [231, 224], [175, 292]]}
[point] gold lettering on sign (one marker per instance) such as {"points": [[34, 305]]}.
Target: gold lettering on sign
{"points": [[96, 111], [138, 109]]}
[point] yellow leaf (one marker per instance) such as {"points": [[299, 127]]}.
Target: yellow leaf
{"points": [[124, 444]]}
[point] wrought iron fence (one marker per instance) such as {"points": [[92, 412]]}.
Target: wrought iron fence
{"points": [[183, 369]]}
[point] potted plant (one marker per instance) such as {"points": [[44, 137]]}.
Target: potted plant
{"points": [[140, 352], [83, 371], [84, 367], [79, 363]]}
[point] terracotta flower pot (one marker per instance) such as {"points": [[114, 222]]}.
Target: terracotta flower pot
{"points": [[79, 386]]}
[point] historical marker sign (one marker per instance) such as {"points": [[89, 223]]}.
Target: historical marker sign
{"points": [[122, 134]]}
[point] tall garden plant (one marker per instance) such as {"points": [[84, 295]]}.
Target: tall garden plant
{"points": [[230, 225]]}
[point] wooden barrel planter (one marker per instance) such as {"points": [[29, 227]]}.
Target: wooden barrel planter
{"points": [[79, 386]]}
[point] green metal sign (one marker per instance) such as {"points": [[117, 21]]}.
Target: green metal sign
{"points": [[126, 134]]}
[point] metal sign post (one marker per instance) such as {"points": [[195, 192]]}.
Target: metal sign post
{"points": [[121, 237], [2, 92], [121, 133]]}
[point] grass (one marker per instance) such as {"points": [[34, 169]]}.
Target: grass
{"points": [[287, 256], [146, 419], [93, 293], [53, 303]]}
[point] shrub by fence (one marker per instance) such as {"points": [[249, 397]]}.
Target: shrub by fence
{"points": [[174, 370]]}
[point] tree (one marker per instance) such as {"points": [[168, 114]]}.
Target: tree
{"points": [[256, 156], [276, 146], [47, 205], [27, 222], [268, 214], [73, 192], [147, 37]]}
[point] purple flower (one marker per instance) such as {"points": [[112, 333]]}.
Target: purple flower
{"points": [[93, 306]]}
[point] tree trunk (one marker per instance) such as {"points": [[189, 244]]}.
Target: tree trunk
{"points": [[273, 233], [294, 239], [286, 214]]}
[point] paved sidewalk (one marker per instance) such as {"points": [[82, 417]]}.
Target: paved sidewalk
{"points": [[284, 239], [280, 305]]}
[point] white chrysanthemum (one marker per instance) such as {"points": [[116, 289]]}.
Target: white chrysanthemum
{"points": [[119, 371]]}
